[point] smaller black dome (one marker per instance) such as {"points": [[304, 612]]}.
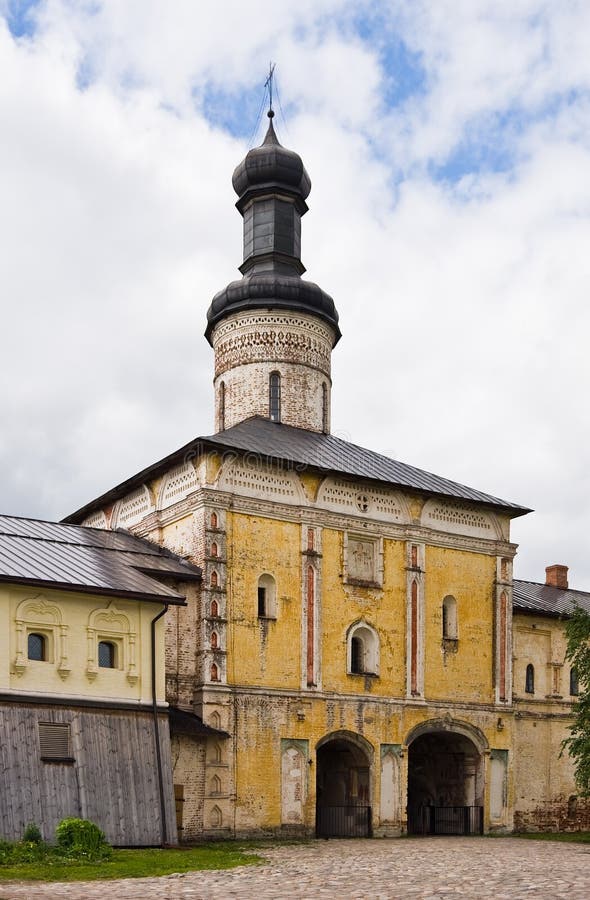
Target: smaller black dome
{"points": [[269, 167]]}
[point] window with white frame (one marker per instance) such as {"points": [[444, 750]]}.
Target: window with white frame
{"points": [[267, 597], [362, 650]]}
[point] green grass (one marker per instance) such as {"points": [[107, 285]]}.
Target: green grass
{"points": [[135, 864], [568, 837]]}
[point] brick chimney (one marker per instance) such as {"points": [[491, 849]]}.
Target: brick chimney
{"points": [[556, 576]]}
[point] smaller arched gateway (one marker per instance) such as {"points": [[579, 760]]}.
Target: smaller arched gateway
{"points": [[445, 778], [343, 785]]}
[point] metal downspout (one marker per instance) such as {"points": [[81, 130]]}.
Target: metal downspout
{"points": [[163, 828]]}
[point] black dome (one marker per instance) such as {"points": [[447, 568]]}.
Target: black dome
{"points": [[269, 167], [270, 290]]}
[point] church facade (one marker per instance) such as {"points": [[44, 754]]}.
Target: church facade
{"points": [[358, 648]]}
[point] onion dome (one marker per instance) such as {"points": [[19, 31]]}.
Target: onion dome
{"points": [[272, 186], [271, 167]]}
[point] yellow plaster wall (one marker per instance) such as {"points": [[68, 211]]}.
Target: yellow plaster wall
{"points": [[467, 673], [75, 609], [264, 651], [383, 609], [541, 641]]}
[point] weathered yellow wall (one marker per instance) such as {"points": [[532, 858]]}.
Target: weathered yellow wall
{"points": [[264, 651], [384, 610], [75, 610], [470, 578]]}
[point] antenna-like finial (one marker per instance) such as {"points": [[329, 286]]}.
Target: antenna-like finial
{"points": [[268, 84]]}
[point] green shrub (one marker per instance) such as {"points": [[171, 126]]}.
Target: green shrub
{"points": [[32, 834], [80, 838]]}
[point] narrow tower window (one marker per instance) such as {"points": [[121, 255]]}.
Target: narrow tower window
{"points": [[222, 406], [530, 679], [574, 684], [325, 428], [267, 594], [274, 397], [357, 655]]}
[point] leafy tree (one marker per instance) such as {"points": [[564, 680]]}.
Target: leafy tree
{"points": [[577, 630]]}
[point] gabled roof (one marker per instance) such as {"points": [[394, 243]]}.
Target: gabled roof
{"points": [[545, 600], [299, 449], [90, 560]]}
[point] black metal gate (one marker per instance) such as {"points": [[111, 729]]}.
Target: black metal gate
{"points": [[446, 820], [343, 821]]}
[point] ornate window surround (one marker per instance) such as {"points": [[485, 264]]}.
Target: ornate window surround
{"points": [[112, 625], [39, 616]]}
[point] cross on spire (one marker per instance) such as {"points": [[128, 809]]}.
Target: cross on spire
{"points": [[268, 84]]}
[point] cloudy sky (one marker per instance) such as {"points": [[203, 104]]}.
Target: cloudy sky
{"points": [[448, 144]]}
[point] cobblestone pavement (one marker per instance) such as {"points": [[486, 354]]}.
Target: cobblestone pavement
{"points": [[430, 868]]}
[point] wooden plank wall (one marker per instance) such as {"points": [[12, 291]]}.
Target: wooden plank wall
{"points": [[112, 781]]}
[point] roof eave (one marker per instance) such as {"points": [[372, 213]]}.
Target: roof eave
{"points": [[178, 600]]}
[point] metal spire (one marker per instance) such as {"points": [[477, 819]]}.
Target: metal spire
{"points": [[268, 84]]}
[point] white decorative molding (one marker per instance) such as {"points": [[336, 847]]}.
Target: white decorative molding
{"points": [[254, 477], [132, 508], [111, 624], [354, 498], [177, 483], [459, 518], [97, 520], [38, 614]]}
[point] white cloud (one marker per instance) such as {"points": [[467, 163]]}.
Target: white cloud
{"points": [[463, 305]]}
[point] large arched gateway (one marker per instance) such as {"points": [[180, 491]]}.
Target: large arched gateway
{"points": [[445, 780], [343, 786]]}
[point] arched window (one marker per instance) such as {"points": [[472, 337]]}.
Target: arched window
{"points": [[267, 597], [325, 428], [221, 406], [214, 672], [107, 655], [214, 578], [274, 397], [214, 549], [574, 683], [530, 679], [363, 650], [214, 640], [37, 647], [213, 520], [449, 618], [214, 609]]}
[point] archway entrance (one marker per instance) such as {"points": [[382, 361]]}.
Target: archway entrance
{"points": [[445, 785], [343, 807]]}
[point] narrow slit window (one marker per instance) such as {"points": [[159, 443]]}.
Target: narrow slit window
{"points": [[37, 647], [274, 397], [261, 601], [222, 406], [530, 679], [267, 597], [107, 655], [574, 683], [449, 618], [325, 428]]}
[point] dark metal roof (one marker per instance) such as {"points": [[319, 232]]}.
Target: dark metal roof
{"points": [[300, 449], [324, 451], [69, 557], [183, 722], [543, 599], [271, 167]]}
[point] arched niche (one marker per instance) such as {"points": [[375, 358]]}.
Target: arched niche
{"points": [[132, 508], [460, 518], [253, 476], [357, 498], [177, 483]]}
